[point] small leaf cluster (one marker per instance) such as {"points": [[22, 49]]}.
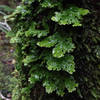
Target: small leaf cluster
{"points": [[72, 15]]}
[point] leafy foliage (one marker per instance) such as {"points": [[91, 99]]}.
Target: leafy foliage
{"points": [[36, 32], [51, 81], [72, 15], [62, 44], [44, 48], [65, 63], [48, 42], [49, 3]]}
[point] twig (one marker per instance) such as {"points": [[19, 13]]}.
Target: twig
{"points": [[2, 97], [5, 24], [2, 13]]}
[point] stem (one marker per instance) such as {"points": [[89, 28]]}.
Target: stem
{"points": [[4, 24], [2, 13], [2, 97]]}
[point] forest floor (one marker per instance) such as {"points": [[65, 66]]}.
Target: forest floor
{"points": [[6, 63], [6, 52], [7, 60]]}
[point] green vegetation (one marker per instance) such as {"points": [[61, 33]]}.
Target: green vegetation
{"points": [[57, 50]]}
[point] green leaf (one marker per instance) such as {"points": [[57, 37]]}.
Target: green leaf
{"points": [[65, 63], [72, 15], [49, 3], [32, 31], [70, 84], [48, 42], [51, 83], [22, 9], [15, 40], [29, 59], [50, 87], [34, 78], [62, 47]]}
